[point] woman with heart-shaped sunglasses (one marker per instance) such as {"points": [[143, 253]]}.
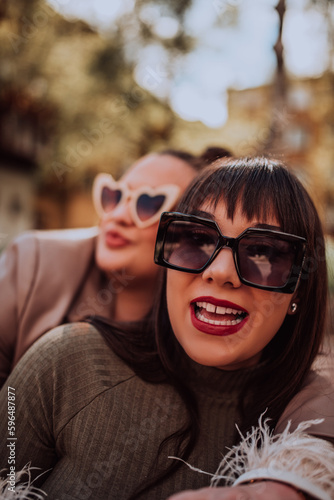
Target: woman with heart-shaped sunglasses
{"points": [[51, 277], [129, 212]]}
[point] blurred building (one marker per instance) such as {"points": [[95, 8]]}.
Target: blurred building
{"points": [[24, 142], [64, 118], [301, 133]]}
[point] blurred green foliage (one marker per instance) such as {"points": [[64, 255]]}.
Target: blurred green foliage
{"points": [[100, 118]]}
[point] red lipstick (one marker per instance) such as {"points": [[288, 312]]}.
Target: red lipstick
{"points": [[217, 317]]}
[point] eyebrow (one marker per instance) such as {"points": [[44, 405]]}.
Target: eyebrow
{"points": [[202, 213], [259, 225], [266, 226]]}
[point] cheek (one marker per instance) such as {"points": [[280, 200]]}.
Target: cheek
{"points": [[102, 223], [172, 299], [99, 249], [177, 304], [270, 312], [169, 292], [147, 236]]}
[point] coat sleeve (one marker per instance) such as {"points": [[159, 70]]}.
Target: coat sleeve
{"points": [[314, 401], [16, 274], [293, 457]]}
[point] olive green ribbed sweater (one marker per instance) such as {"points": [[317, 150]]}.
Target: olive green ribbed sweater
{"points": [[82, 412]]}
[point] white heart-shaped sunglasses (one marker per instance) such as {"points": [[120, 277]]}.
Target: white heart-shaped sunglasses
{"points": [[146, 203]]}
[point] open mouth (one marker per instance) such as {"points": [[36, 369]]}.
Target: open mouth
{"points": [[218, 315]]}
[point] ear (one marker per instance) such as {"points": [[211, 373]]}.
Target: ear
{"points": [[293, 306]]}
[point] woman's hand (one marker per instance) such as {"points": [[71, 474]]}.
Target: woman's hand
{"points": [[262, 490]]}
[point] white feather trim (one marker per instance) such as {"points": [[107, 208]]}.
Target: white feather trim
{"points": [[21, 490], [291, 457]]}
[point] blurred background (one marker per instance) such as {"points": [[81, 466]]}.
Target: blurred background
{"points": [[91, 85]]}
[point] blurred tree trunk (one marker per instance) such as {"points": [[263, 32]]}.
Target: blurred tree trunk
{"points": [[274, 141], [280, 74]]}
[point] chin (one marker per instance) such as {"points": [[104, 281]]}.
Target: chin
{"points": [[202, 359], [109, 265], [210, 357]]}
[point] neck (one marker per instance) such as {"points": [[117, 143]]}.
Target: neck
{"points": [[134, 301]]}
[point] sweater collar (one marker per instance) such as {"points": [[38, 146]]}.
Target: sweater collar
{"points": [[217, 382]]}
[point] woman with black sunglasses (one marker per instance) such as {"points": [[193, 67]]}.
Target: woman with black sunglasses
{"points": [[52, 277], [239, 321]]}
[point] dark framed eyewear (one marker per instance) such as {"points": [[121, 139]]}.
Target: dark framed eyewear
{"points": [[264, 258]]}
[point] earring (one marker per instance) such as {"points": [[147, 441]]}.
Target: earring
{"points": [[294, 307]]}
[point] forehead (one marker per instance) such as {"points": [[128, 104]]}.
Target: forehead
{"points": [[220, 213], [156, 170]]}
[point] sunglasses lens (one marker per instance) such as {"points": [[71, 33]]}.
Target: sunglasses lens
{"points": [[110, 198], [266, 260], [148, 206], [189, 245]]}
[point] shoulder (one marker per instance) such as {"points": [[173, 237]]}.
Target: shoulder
{"points": [[75, 350], [76, 234], [56, 254], [31, 243], [65, 371], [66, 237], [314, 401]]}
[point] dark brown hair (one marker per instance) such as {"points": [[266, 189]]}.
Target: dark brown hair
{"points": [[198, 162], [262, 188]]}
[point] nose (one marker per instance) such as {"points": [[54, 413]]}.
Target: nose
{"points": [[121, 213], [222, 270]]}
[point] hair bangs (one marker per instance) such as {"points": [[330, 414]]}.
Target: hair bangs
{"points": [[262, 188]]}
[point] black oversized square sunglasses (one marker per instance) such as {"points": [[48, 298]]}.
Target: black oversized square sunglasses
{"points": [[266, 259]]}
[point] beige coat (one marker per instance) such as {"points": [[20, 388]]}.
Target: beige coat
{"points": [[47, 278]]}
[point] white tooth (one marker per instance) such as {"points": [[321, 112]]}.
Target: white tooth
{"points": [[218, 309], [217, 322], [210, 307]]}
